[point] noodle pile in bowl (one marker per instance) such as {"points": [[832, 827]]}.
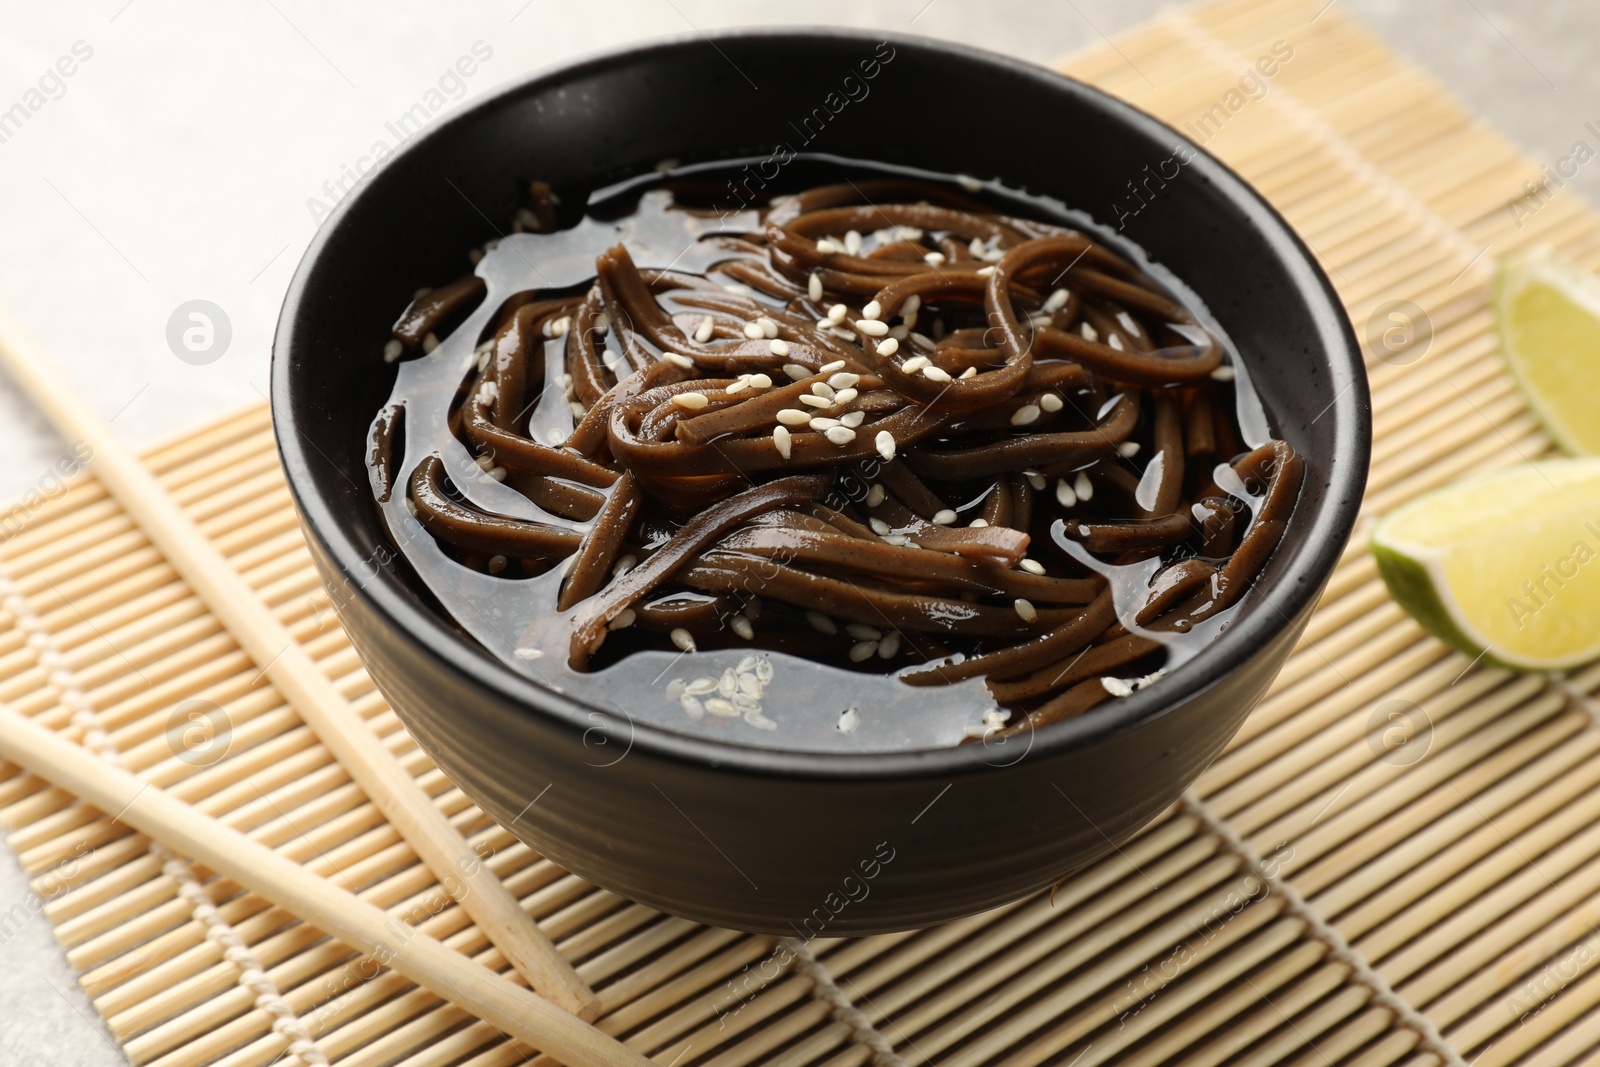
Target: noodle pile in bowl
{"points": [[883, 426]]}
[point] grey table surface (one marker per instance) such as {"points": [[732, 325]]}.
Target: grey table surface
{"points": [[181, 159]]}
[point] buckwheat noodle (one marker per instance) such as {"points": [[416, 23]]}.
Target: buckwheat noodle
{"points": [[879, 424]]}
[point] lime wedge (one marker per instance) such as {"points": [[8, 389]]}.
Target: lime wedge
{"points": [[1505, 565], [1548, 312]]}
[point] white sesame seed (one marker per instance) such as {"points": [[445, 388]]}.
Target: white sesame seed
{"points": [[1025, 415], [1032, 566], [873, 310], [749, 684], [779, 347], [822, 389], [1115, 341], [821, 623], [984, 272], [1036, 480], [814, 286], [837, 313], [977, 248], [852, 419], [844, 396], [1057, 300], [760, 381], [430, 342], [862, 651], [879, 527], [1051, 402], [528, 653], [561, 326], [737, 288], [849, 721], [793, 417], [674, 358], [840, 435], [900, 332], [844, 380], [392, 350], [702, 332], [1129, 448], [754, 331], [943, 517], [768, 327], [936, 374], [741, 626], [889, 647], [888, 346], [970, 372], [914, 364], [796, 372], [934, 258], [1083, 486], [875, 496], [900, 541], [626, 618], [829, 368], [1064, 494], [483, 360], [624, 564], [978, 524], [911, 306], [484, 463], [1223, 373], [717, 705], [488, 393], [497, 473], [826, 246], [780, 438], [1089, 332], [692, 401], [862, 632], [872, 327], [1025, 610], [885, 444], [497, 564], [812, 400], [1038, 322], [703, 686], [737, 387], [852, 242], [683, 639], [822, 422], [1116, 687]]}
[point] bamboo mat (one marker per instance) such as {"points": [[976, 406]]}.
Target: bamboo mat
{"points": [[1397, 860]]}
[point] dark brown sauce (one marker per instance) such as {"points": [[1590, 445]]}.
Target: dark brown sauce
{"points": [[1022, 474]]}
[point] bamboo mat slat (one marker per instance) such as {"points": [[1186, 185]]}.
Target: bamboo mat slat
{"points": [[1323, 895]]}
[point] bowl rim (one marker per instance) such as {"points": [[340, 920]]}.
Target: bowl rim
{"points": [[1327, 530]]}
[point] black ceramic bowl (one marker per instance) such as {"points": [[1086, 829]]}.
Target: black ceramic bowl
{"points": [[764, 840]]}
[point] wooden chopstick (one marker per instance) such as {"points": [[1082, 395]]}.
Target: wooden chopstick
{"points": [[301, 682], [363, 926]]}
